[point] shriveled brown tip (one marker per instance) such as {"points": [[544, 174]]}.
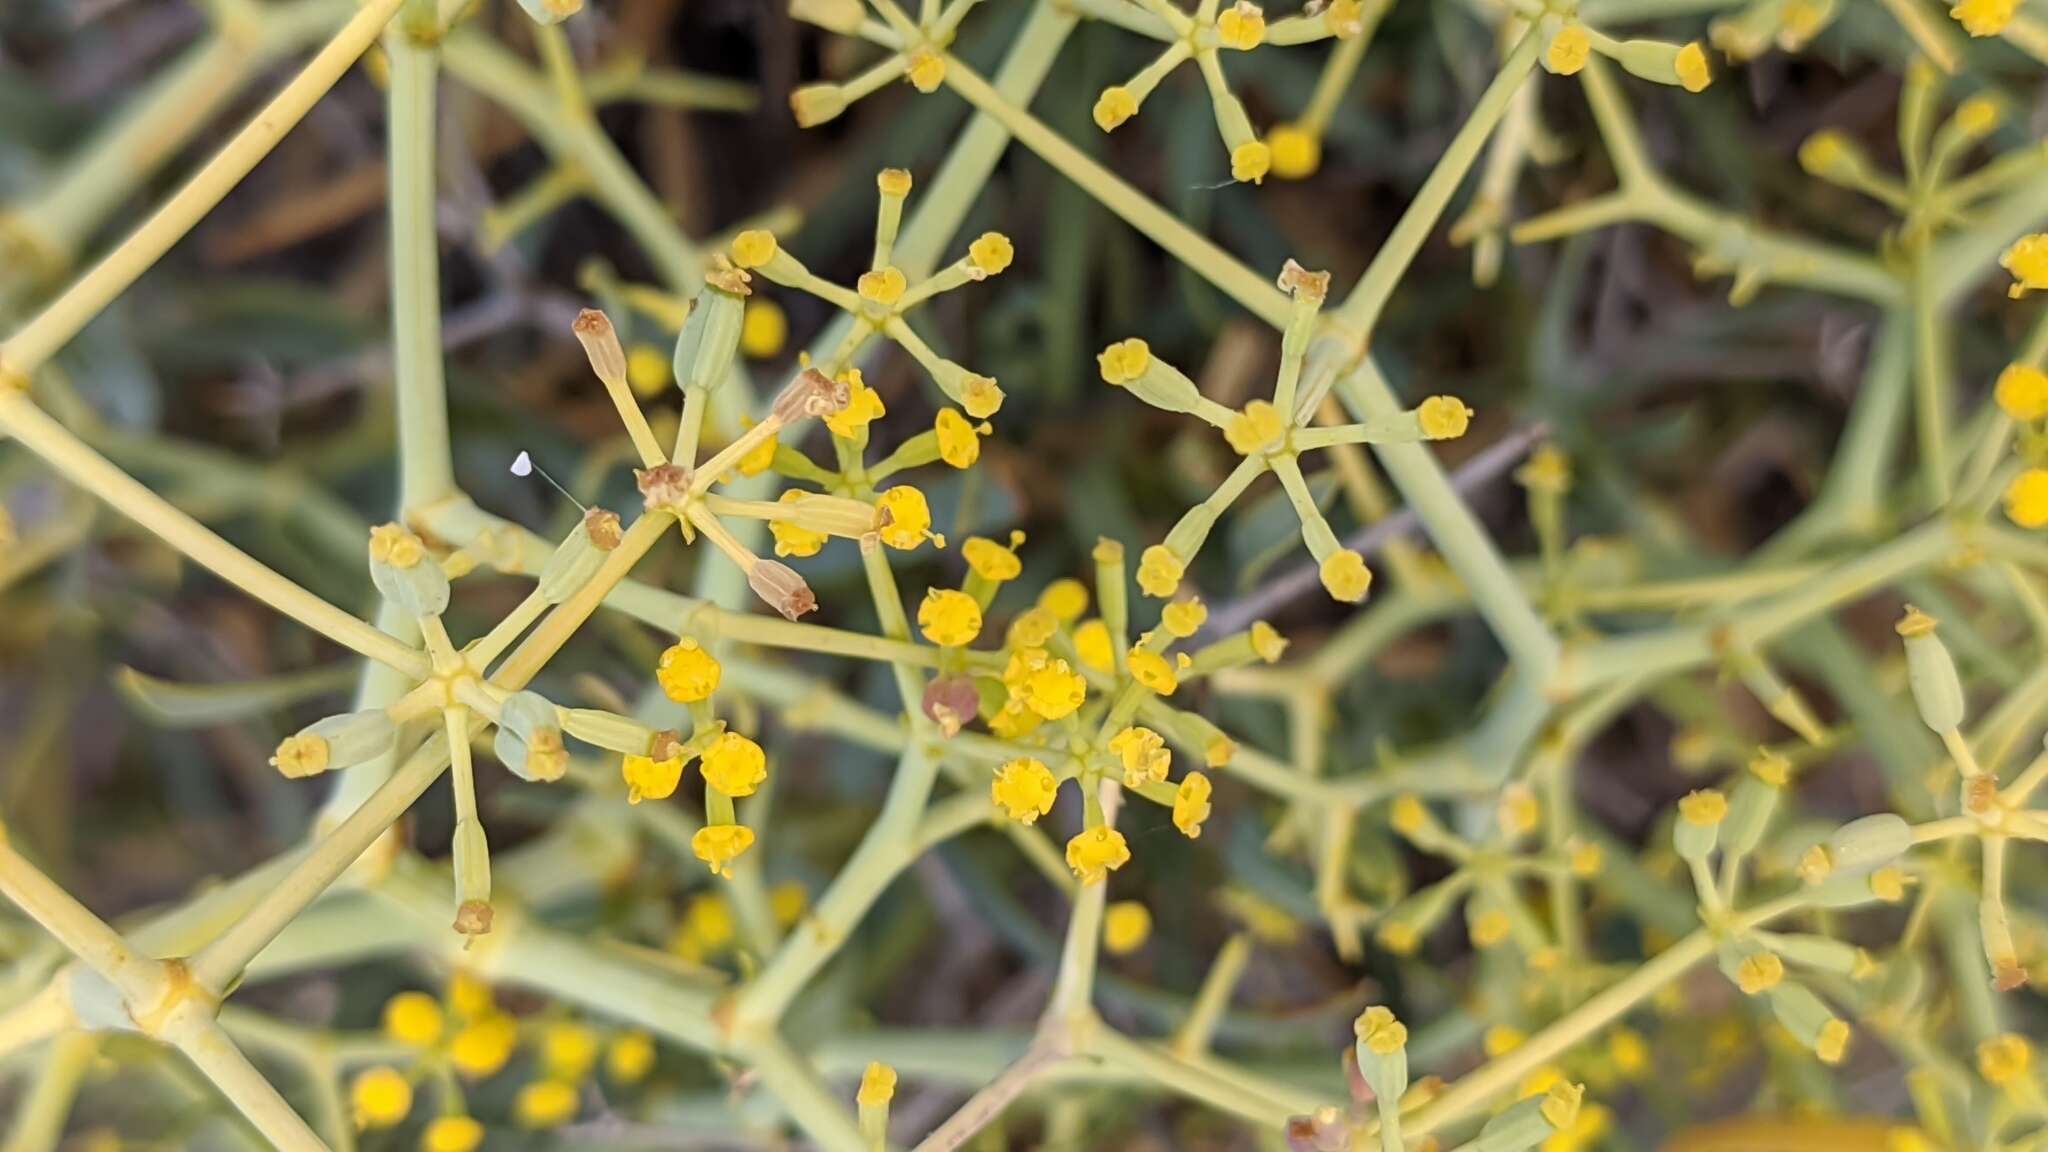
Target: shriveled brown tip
{"points": [[2008, 976], [950, 702], [811, 393], [473, 918], [601, 344], [667, 744], [726, 276], [603, 528], [1310, 286], [784, 590], [663, 486]]}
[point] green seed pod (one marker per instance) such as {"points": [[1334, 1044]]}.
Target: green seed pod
{"points": [[621, 734], [1931, 673], [1861, 847], [1191, 531], [835, 515], [472, 878], [579, 556], [421, 590], [1749, 815], [1700, 815], [1808, 1017], [1527, 1123], [709, 339], [1841, 891], [1821, 953], [1112, 586]]}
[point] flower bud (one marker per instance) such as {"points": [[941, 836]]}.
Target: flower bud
{"points": [[336, 742], [1382, 1049], [1699, 824], [420, 589], [609, 730], [1528, 1122], [1931, 673], [529, 739], [1130, 365]]}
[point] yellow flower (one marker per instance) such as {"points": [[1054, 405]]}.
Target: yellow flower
{"points": [[1024, 789], [1250, 161], [1979, 115], [1568, 50], [1443, 417], [1184, 618], [2003, 1060], [1984, 17], [1114, 106], [650, 779], [1888, 885], [1692, 68], [568, 1050], [959, 441], [1096, 852], [991, 252], [648, 371], [1144, 754], [1346, 577], [1152, 670], [468, 997], [1561, 1103], [1704, 808], [1759, 973], [413, 1019], [1065, 599], [1257, 428], [1123, 361], [927, 70], [380, 1097], [2022, 392], [1833, 1043], [544, 1104], [1489, 927], [1033, 628], [687, 673], [1126, 925], [877, 1085], [1518, 810], [786, 901], [764, 328], [863, 407], [991, 561], [718, 845], [2027, 260], [2026, 498], [791, 538], [1160, 571], [1267, 641], [1092, 644], [1191, 804], [735, 765], [1241, 26], [1397, 936], [1380, 1030], [949, 619], [1297, 152], [882, 286], [753, 248], [1014, 721], [452, 1134], [630, 1057], [760, 457], [1053, 689], [1629, 1051], [393, 544], [483, 1047], [908, 519]]}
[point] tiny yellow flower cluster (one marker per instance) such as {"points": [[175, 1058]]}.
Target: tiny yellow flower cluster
{"points": [[467, 1034]]}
